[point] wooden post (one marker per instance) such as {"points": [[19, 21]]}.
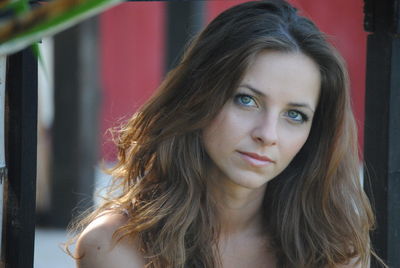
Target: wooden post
{"points": [[382, 125]]}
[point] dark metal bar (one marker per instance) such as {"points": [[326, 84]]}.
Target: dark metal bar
{"points": [[20, 184], [382, 126]]}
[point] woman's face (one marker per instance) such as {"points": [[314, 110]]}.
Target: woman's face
{"points": [[267, 121]]}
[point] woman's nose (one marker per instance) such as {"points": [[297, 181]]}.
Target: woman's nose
{"points": [[265, 131]]}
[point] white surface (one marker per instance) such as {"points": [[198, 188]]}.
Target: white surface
{"points": [[46, 83], [48, 249]]}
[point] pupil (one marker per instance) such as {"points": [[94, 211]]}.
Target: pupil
{"points": [[245, 99]]}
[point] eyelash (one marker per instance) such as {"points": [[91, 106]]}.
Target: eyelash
{"points": [[304, 117], [238, 100]]}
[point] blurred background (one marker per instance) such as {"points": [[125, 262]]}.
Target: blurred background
{"points": [[99, 72]]}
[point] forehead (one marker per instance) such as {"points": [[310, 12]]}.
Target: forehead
{"points": [[290, 76]]}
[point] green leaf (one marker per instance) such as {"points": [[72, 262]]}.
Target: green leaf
{"points": [[56, 24], [18, 6], [38, 54]]}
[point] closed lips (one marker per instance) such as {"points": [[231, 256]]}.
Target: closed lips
{"points": [[256, 159]]}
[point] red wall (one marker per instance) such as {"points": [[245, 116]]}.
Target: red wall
{"points": [[132, 61], [132, 52]]}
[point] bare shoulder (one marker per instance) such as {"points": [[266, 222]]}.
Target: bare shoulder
{"points": [[96, 249]]}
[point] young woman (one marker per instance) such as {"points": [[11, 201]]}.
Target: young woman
{"points": [[246, 156]]}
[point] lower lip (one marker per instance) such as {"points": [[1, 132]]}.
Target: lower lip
{"points": [[255, 162]]}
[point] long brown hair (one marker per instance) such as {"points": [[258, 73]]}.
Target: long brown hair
{"points": [[315, 211]]}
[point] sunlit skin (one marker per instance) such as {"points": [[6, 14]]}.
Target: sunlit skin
{"points": [[258, 132]]}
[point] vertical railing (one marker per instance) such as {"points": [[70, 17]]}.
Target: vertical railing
{"points": [[3, 168], [382, 125], [20, 183]]}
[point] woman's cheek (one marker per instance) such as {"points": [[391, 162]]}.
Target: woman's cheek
{"points": [[293, 141]]}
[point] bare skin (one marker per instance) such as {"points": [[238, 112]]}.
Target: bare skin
{"points": [[238, 249], [96, 248], [243, 243]]}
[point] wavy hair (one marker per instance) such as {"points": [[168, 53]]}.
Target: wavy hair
{"points": [[324, 218]]}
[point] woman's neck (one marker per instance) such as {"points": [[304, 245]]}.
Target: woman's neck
{"points": [[239, 208]]}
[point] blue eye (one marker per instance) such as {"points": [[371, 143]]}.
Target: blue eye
{"points": [[297, 116], [245, 100]]}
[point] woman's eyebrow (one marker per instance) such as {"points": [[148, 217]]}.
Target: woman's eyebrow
{"points": [[293, 104], [255, 91]]}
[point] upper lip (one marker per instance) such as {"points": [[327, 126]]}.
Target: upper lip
{"points": [[258, 157]]}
